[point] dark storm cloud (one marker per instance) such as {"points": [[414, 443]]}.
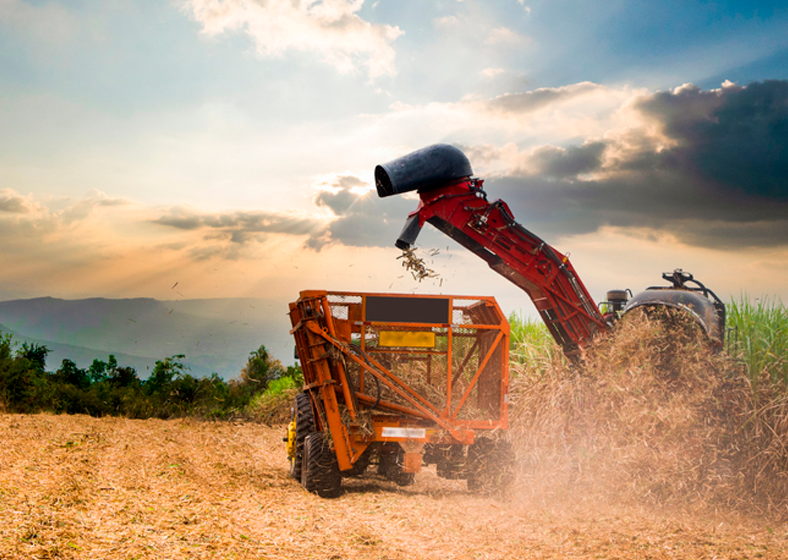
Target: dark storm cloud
{"points": [[724, 183], [575, 160], [740, 140]]}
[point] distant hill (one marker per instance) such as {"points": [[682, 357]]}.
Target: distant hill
{"points": [[216, 335]]}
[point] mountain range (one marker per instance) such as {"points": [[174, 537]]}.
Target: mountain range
{"points": [[215, 335]]}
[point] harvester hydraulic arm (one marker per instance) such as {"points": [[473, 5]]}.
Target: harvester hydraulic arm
{"points": [[457, 205]]}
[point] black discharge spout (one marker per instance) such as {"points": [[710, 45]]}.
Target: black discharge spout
{"points": [[409, 233], [422, 170]]}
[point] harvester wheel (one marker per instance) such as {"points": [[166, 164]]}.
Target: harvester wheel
{"points": [[304, 425], [319, 471], [490, 465]]}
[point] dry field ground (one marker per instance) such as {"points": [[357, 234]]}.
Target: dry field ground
{"points": [[81, 487]]}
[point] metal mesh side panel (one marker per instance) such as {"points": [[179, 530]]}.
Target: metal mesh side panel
{"points": [[484, 400], [345, 307], [426, 370], [423, 370], [474, 312]]}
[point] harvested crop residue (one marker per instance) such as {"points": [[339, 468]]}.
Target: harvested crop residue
{"points": [[416, 265], [79, 487], [654, 416]]}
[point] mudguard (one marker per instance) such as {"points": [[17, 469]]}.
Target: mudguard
{"points": [[706, 312]]}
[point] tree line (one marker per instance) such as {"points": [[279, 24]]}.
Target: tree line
{"points": [[106, 388]]}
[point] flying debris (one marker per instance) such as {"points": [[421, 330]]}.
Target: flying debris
{"points": [[416, 265]]}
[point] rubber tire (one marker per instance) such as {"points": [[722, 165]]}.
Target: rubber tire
{"points": [[319, 471], [305, 425], [490, 465], [390, 466], [360, 466], [450, 462]]}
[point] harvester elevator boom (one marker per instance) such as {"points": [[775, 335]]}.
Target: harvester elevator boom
{"points": [[455, 203]]}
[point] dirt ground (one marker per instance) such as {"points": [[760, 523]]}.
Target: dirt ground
{"points": [[81, 487]]}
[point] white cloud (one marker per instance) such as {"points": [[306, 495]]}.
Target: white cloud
{"points": [[505, 36], [13, 203], [446, 21], [330, 28], [492, 72]]}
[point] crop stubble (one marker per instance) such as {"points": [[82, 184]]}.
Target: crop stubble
{"points": [[81, 487]]}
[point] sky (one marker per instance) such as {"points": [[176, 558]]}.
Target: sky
{"points": [[211, 149]]}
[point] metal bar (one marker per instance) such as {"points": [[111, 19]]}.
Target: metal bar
{"points": [[402, 384], [437, 419], [392, 406], [486, 359], [467, 359], [339, 434]]}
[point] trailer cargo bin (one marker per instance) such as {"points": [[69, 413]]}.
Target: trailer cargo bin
{"points": [[397, 381]]}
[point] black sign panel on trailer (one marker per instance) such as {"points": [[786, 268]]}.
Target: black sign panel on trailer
{"points": [[407, 310]]}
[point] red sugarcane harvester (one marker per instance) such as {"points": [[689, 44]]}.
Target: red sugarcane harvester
{"points": [[403, 380]]}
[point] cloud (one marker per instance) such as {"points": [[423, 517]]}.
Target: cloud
{"points": [[557, 162], [505, 36], [492, 72], [363, 219], [519, 103], [13, 203], [329, 28], [446, 21], [710, 167], [242, 227], [736, 137]]}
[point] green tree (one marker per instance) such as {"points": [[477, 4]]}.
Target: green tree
{"points": [[260, 369], [70, 374], [35, 354], [160, 380], [123, 376], [99, 370], [23, 380]]}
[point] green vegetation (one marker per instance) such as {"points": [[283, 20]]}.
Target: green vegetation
{"points": [[109, 389], [531, 347], [273, 404], [758, 335]]}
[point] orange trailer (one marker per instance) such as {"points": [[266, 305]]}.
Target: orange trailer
{"points": [[398, 381]]}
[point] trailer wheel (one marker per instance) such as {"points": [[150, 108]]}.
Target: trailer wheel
{"points": [[490, 465], [304, 425], [319, 470], [390, 466], [360, 466]]}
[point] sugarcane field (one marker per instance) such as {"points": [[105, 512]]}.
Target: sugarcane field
{"points": [[651, 452]]}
